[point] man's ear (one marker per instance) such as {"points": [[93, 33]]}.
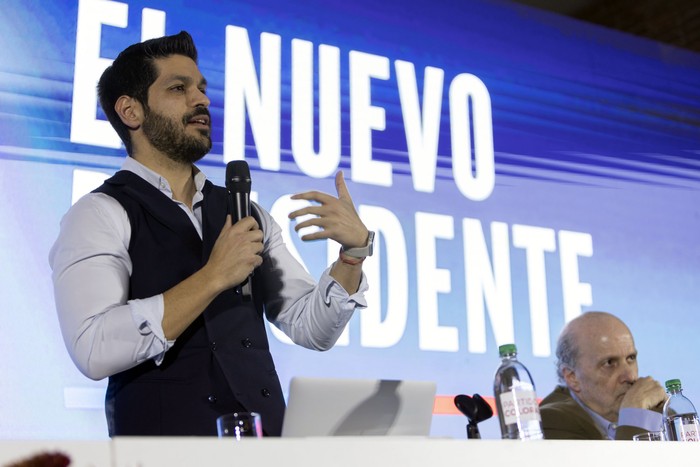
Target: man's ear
{"points": [[571, 379], [130, 111]]}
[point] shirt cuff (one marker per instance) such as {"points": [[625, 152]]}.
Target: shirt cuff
{"points": [[641, 418], [332, 290], [147, 314]]}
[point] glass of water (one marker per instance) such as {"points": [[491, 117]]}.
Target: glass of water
{"points": [[239, 425], [649, 436]]}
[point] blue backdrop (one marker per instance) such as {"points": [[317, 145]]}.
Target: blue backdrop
{"points": [[519, 168]]}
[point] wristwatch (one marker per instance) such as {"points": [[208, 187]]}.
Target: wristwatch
{"points": [[362, 251]]}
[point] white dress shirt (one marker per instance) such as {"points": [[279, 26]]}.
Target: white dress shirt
{"points": [[106, 333], [629, 416]]}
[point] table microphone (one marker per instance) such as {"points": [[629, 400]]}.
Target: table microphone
{"points": [[238, 186], [476, 409]]}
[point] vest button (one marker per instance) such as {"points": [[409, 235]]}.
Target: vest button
{"points": [[246, 343], [213, 345], [265, 392], [212, 399]]}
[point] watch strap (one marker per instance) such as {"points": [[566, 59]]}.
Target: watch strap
{"points": [[362, 251]]}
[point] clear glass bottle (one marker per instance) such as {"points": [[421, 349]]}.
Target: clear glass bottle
{"points": [[516, 400], [680, 417]]}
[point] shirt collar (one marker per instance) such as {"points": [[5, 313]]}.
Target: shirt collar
{"points": [[158, 181], [606, 427]]}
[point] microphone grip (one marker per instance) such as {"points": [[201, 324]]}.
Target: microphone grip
{"points": [[239, 207], [246, 288]]}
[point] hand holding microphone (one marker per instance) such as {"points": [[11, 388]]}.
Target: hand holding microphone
{"points": [[238, 185], [236, 252]]}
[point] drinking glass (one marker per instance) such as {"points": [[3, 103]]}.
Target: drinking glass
{"points": [[649, 436], [239, 425]]}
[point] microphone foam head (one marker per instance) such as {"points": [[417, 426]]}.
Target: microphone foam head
{"points": [[238, 176]]}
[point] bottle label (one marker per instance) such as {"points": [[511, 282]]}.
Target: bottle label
{"points": [[519, 404], [683, 427], [689, 432]]}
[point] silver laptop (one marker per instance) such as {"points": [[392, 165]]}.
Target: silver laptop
{"points": [[358, 407]]}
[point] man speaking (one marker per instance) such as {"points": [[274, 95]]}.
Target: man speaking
{"points": [[148, 268]]}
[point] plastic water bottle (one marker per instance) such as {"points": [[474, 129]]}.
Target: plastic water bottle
{"points": [[516, 401], [680, 417]]}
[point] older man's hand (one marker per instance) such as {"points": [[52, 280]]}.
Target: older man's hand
{"points": [[645, 393]]}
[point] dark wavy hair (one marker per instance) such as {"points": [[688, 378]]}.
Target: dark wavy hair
{"points": [[134, 71]]}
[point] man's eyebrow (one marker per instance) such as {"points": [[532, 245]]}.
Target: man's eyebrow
{"points": [[186, 79]]}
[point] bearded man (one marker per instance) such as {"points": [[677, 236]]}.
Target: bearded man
{"points": [[146, 268]]}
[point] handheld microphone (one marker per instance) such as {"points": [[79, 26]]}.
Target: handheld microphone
{"points": [[238, 186]]}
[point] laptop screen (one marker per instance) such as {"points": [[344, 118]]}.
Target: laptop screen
{"points": [[358, 407]]}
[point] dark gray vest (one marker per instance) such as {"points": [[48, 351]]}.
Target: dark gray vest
{"points": [[222, 362]]}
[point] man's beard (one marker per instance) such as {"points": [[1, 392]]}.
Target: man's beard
{"points": [[165, 136]]}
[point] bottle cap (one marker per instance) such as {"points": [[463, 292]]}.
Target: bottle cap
{"points": [[506, 349], [673, 383]]}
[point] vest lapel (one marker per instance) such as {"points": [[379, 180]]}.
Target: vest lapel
{"points": [[214, 210], [159, 206]]}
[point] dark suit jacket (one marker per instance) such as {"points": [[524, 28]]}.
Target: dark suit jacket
{"points": [[564, 418]]}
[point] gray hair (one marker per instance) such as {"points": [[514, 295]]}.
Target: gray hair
{"points": [[567, 353]]}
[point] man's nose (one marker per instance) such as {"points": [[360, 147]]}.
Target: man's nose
{"points": [[628, 373], [201, 99]]}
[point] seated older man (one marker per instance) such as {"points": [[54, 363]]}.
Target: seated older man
{"points": [[601, 396]]}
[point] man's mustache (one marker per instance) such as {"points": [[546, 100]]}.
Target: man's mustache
{"points": [[195, 113]]}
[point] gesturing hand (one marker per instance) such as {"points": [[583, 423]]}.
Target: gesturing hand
{"points": [[336, 217]]}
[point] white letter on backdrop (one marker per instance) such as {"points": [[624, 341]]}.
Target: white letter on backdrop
{"points": [[536, 241], [477, 182], [422, 129], [375, 331], [576, 294], [262, 99], [364, 117], [487, 283], [85, 127], [432, 280], [324, 162]]}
